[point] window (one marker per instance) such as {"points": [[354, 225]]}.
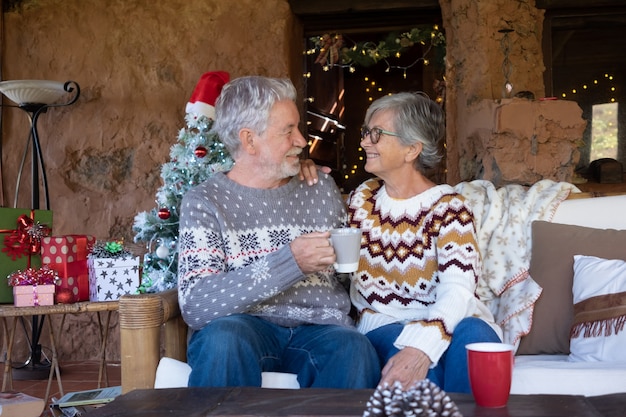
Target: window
{"points": [[586, 64], [604, 124]]}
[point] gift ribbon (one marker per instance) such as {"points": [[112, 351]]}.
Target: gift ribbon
{"points": [[77, 270], [82, 248], [35, 296], [25, 240]]}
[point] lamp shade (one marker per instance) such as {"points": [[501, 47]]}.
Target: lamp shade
{"points": [[32, 91]]}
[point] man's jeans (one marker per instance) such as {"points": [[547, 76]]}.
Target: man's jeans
{"points": [[234, 350], [450, 373]]}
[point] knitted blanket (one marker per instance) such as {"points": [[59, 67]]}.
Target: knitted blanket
{"points": [[503, 221]]}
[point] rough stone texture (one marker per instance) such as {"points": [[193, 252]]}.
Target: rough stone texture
{"points": [[137, 62], [522, 141]]}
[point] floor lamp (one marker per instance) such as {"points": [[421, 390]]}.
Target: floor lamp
{"points": [[35, 97]]}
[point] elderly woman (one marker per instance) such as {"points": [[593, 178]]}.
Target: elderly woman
{"points": [[415, 288]]}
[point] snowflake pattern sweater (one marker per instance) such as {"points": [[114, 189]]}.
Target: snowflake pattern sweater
{"points": [[234, 253], [420, 264]]}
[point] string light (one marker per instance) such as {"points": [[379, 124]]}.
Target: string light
{"points": [[332, 53], [610, 89]]}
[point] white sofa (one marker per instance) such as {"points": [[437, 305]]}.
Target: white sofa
{"points": [[149, 332], [556, 373]]}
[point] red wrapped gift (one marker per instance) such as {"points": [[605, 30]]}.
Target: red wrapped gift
{"points": [[68, 256]]}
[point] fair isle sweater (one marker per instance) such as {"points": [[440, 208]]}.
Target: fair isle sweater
{"points": [[419, 266], [235, 257]]}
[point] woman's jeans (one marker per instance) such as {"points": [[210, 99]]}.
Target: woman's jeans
{"points": [[234, 350], [450, 373]]}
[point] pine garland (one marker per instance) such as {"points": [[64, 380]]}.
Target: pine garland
{"points": [[332, 51]]}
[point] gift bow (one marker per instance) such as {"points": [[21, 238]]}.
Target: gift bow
{"points": [[112, 250], [25, 240], [30, 276], [30, 233]]}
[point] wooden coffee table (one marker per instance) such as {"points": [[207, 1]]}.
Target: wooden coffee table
{"points": [[247, 401]]}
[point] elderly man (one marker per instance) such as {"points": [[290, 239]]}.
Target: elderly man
{"points": [[256, 281]]}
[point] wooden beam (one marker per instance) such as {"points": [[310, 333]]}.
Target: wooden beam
{"points": [[303, 8], [353, 16], [577, 4]]}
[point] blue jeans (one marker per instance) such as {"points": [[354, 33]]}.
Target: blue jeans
{"points": [[450, 373], [234, 350]]}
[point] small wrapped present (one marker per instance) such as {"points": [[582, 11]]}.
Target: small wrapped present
{"points": [[33, 295], [113, 272], [33, 287], [21, 231], [68, 256]]}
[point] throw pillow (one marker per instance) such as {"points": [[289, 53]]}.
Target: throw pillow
{"points": [[599, 310], [552, 267]]}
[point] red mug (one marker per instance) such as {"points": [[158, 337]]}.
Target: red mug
{"points": [[490, 368]]}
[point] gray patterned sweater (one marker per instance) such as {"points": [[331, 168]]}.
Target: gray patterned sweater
{"points": [[234, 253]]}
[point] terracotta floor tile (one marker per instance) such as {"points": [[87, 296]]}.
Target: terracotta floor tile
{"points": [[75, 376]]}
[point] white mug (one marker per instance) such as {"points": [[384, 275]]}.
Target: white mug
{"points": [[347, 244]]}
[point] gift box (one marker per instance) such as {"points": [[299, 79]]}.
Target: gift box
{"points": [[20, 233], [33, 286], [109, 278], [33, 295], [68, 256]]}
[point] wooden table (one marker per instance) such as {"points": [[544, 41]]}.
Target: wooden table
{"points": [[9, 310], [247, 401]]}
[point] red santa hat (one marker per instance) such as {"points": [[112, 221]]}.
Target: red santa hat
{"points": [[202, 101]]}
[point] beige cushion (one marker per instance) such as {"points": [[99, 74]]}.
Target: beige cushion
{"points": [[552, 267]]}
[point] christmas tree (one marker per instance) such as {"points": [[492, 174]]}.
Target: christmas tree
{"points": [[196, 156]]}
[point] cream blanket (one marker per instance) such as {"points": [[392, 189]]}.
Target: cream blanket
{"points": [[503, 220]]}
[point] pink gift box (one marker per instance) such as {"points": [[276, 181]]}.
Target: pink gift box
{"points": [[33, 295], [67, 255]]}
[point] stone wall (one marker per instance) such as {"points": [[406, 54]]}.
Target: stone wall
{"points": [[522, 141]]}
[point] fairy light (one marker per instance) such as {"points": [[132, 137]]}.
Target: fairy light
{"points": [[610, 89]]}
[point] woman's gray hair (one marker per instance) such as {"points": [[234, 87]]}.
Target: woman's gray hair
{"points": [[416, 119], [246, 102]]}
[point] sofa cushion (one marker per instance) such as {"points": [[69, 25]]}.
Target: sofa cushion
{"points": [[557, 375], [552, 267], [599, 310]]}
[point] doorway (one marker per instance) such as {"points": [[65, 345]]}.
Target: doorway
{"points": [[345, 73]]}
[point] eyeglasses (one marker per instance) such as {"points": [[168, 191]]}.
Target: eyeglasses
{"points": [[374, 133]]}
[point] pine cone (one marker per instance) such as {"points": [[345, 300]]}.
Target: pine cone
{"points": [[424, 399]]}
